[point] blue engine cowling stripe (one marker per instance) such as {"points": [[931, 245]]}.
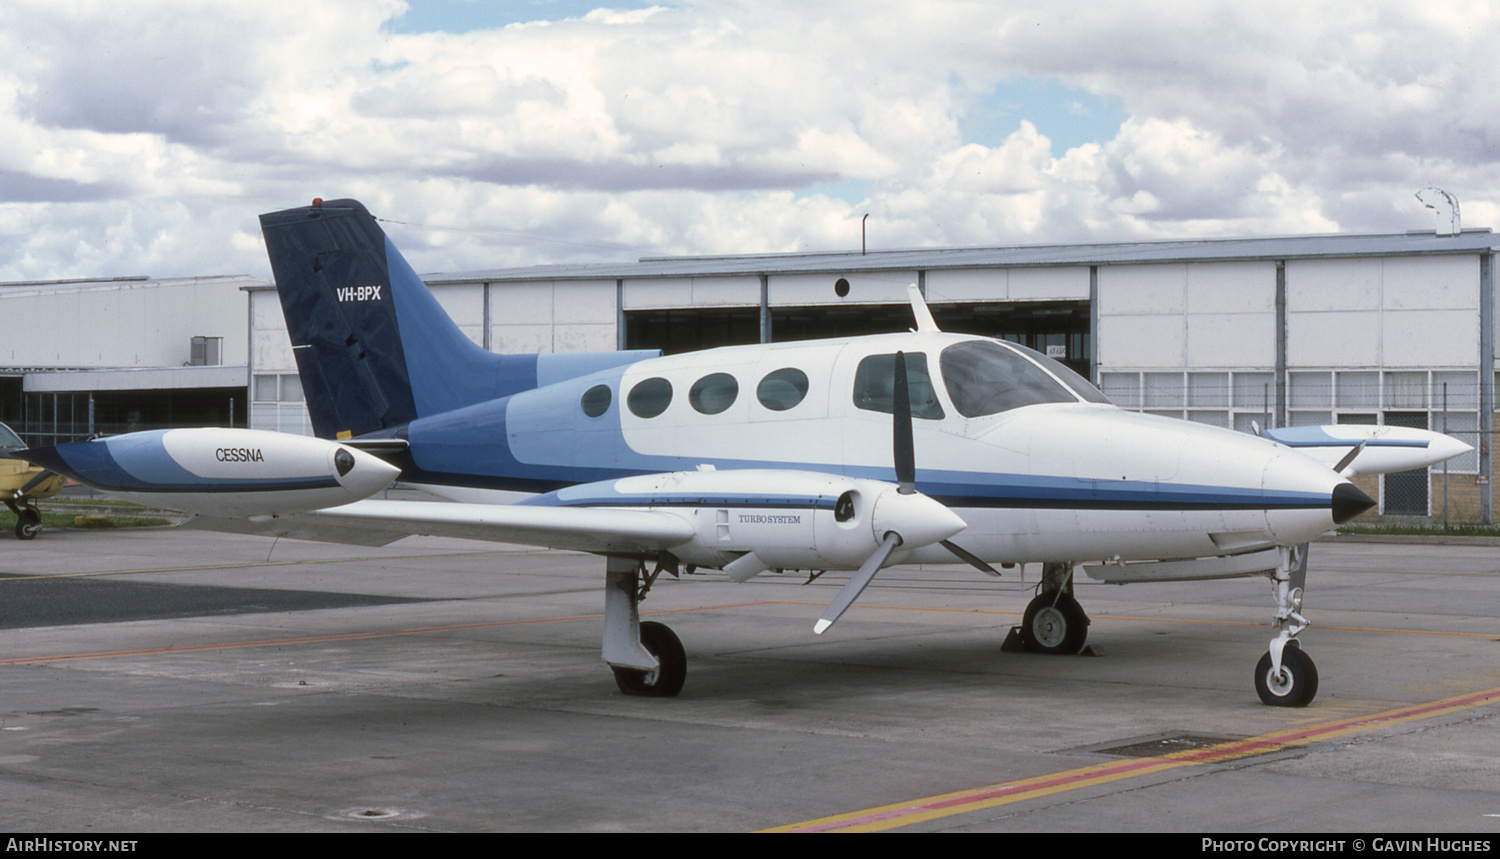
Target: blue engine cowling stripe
{"points": [[94, 463]]}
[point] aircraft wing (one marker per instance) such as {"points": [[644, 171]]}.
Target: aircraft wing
{"points": [[376, 522]]}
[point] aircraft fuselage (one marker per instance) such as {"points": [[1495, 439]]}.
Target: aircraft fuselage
{"points": [[1067, 479]]}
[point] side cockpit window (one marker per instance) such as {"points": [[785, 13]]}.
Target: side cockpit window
{"points": [[875, 385], [984, 377]]}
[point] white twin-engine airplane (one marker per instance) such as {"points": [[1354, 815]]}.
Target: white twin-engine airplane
{"points": [[850, 454]]}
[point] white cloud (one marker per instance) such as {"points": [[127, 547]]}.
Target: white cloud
{"points": [[145, 137]]}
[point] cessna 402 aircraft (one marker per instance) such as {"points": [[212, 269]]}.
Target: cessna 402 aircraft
{"points": [[850, 454]]}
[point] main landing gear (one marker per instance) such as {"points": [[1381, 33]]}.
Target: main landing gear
{"points": [[1054, 622], [28, 518], [647, 658]]}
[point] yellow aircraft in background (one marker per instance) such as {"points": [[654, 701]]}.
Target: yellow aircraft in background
{"points": [[22, 483]]}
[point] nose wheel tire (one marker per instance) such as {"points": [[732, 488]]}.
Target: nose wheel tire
{"points": [[668, 677], [1054, 623], [1295, 686]]}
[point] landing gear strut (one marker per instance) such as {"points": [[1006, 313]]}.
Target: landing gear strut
{"points": [[1285, 675], [1054, 622], [647, 658]]}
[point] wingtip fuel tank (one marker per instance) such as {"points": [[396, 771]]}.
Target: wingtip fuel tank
{"points": [[221, 472]]}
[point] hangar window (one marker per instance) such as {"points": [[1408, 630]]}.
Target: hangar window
{"points": [[650, 397], [286, 388], [713, 393], [875, 386], [782, 389], [596, 400]]}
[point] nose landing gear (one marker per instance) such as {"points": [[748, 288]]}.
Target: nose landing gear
{"points": [[1285, 675]]}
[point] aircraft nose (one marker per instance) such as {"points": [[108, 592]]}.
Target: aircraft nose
{"points": [[1349, 501]]}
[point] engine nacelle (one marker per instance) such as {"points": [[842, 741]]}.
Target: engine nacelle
{"points": [[750, 520], [221, 472]]}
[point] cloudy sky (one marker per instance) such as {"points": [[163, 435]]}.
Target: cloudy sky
{"points": [[144, 136]]}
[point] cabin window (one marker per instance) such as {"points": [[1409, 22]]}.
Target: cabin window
{"points": [[875, 386], [596, 400], [986, 378], [650, 397], [782, 389], [713, 393]]}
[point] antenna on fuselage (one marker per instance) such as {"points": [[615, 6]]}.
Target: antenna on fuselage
{"points": [[925, 322]]}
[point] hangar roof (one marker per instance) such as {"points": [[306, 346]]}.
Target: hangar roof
{"points": [[927, 259]]}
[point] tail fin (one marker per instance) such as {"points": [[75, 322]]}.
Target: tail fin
{"points": [[374, 348]]}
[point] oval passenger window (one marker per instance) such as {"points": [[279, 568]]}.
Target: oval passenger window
{"points": [[782, 389], [713, 393], [596, 400], [649, 398]]}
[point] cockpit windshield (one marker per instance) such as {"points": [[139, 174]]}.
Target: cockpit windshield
{"points": [[9, 441], [1081, 386], [984, 377]]}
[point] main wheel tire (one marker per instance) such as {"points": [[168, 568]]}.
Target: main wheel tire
{"points": [[1295, 686], [1056, 624], [28, 524], [668, 677]]}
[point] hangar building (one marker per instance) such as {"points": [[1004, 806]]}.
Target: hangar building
{"points": [[87, 357], [1386, 329]]}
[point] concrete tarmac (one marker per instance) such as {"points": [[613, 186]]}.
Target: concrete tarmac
{"points": [[158, 680]]}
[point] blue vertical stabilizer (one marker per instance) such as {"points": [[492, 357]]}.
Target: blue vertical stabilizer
{"points": [[374, 348]]}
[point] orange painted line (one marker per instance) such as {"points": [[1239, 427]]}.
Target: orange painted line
{"points": [[203, 568], [346, 636], [961, 802]]}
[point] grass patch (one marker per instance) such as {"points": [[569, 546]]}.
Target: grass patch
{"points": [[85, 501], [65, 520], [1396, 529]]}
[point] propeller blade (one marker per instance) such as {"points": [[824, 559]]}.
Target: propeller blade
{"points": [[858, 583], [901, 435], [1350, 457], [970, 558]]}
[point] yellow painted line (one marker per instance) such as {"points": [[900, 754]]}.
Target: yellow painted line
{"points": [[978, 799]]}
